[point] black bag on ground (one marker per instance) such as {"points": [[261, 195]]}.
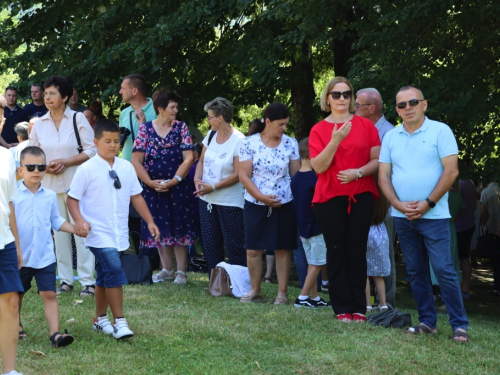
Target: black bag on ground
{"points": [[137, 268], [198, 265], [487, 245], [391, 318]]}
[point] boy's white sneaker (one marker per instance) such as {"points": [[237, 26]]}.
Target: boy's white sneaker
{"points": [[13, 372], [103, 324], [121, 330]]}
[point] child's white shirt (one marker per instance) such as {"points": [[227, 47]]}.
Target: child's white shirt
{"points": [[36, 214], [101, 204], [8, 192]]}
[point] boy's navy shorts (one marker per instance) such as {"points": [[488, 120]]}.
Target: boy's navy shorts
{"points": [[45, 278]]}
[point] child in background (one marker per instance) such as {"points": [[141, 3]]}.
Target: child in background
{"points": [[36, 213], [303, 185], [100, 193], [377, 254]]}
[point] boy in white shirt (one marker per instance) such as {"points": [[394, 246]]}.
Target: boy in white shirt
{"points": [[36, 213], [100, 194]]}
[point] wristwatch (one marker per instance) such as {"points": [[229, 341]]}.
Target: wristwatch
{"points": [[179, 178], [359, 174], [430, 203]]}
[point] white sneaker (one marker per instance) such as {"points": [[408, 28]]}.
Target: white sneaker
{"points": [[13, 372], [103, 324], [121, 330], [163, 276]]}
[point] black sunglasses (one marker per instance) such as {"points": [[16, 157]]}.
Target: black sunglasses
{"points": [[116, 181], [412, 103], [337, 94], [31, 167]]}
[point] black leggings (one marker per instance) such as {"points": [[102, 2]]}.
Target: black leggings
{"points": [[346, 236]]}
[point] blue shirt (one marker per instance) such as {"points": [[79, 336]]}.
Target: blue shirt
{"points": [[36, 214], [149, 112], [416, 163], [383, 126], [12, 118], [303, 185], [34, 110]]}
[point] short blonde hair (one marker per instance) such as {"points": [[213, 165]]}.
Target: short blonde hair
{"points": [[329, 87], [3, 101]]}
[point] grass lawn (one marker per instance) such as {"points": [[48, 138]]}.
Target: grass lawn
{"points": [[183, 330]]}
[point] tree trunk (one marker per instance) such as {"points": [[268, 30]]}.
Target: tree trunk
{"points": [[303, 95]]}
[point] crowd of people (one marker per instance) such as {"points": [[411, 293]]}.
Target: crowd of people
{"points": [[339, 197]]}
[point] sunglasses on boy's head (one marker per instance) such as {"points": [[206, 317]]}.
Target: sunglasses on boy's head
{"points": [[116, 181], [337, 94], [412, 103], [31, 167]]}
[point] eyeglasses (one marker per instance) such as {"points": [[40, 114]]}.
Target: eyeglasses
{"points": [[31, 167], [211, 117], [412, 103], [337, 94], [360, 105], [117, 184]]}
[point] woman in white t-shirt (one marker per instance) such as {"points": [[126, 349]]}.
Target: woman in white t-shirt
{"points": [[10, 258], [217, 185]]}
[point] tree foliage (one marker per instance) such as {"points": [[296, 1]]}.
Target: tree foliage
{"points": [[254, 52]]}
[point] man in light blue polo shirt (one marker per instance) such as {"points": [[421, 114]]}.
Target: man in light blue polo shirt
{"points": [[418, 165]]}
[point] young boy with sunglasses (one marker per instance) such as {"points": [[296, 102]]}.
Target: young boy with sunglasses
{"points": [[36, 213], [100, 194]]}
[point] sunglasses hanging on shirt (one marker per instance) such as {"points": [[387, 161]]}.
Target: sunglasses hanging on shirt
{"points": [[116, 181]]}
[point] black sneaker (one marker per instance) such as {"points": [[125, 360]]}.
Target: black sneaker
{"points": [[320, 303], [324, 288], [309, 303]]}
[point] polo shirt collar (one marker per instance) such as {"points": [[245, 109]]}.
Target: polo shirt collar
{"points": [[380, 122], [423, 128], [147, 106]]}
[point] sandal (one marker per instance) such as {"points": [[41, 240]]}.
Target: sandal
{"points": [[384, 308], [346, 318], [267, 280], [61, 340], [358, 318], [88, 290], [180, 280], [22, 334], [251, 298], [459, 333], [420, 328], [64, 288], [369, 309], [281, 300]]}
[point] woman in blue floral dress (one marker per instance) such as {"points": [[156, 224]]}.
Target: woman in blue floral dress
{"points": [[162, 157]]}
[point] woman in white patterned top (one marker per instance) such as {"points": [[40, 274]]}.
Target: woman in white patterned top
{"points": [[268, 160]]}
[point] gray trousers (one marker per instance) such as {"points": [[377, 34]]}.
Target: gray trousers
{"points": [[390, 281]]}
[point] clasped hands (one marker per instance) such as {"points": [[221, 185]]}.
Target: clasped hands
{"points": [[413, 210], [56, 166], [202, 188], [161, 186], [82, 228]]}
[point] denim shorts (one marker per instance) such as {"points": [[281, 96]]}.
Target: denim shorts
{"points": [[9, 271], [45, 278], [315, 249], [108, 266]]}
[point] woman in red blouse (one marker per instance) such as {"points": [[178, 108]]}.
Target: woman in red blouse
{"points": [[344, 151]]}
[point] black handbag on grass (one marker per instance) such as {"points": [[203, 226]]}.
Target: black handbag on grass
{"points": [[487, 245], [391, 318], [137, 268]]}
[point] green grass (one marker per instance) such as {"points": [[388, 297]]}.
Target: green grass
{"points": [[183, 330]]}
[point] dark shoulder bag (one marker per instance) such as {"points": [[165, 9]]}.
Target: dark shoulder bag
{"points": [[210, 137], [137, 268], [391, 318], [77, 135]]}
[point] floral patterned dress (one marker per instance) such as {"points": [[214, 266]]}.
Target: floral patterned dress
{"points": [[172, 211]]}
